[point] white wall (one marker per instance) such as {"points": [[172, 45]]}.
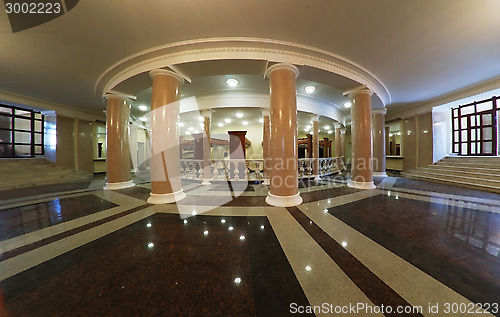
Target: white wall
{"points": [[441, 133]]}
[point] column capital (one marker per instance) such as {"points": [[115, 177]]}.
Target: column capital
{"points": [[379, 111], [206, 113], [116, 95], [266, 112], [165, 72], [363, 89], [282, 66], [337, 125], [315, 117]]}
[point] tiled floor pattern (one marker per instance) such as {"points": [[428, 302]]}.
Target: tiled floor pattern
{"points": [[224, 252]]}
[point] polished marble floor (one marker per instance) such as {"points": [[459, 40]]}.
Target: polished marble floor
{"points": [[406, 248]]}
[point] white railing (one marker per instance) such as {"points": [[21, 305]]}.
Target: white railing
{"points": [[240, 169]]}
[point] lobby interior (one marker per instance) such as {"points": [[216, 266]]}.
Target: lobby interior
{"points": [[334, 158]]}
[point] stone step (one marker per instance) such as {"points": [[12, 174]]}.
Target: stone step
{"points": [[460, 170], [461, 183], [493, 183]]}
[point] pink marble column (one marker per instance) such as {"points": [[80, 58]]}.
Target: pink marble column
{"points": [[378, 133], [315, 146], [165, 163], [266, 142], [207, 146], [118, 160], [361, 129], [284, 190], [338, 146]]}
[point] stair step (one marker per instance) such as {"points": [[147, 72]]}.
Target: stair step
{"points": [[462, 183]]}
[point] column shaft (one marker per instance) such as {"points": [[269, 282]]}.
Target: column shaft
{"points": [[207, 145], [266, 140], [118, 161], [315, 148], [379, 144], [361, 127], [165, 163], [284, 182]]}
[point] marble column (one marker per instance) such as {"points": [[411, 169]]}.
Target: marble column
{"points": [[379, 142], [337, 146], [387, 141], [315, 146], [361, 129], [326, 147], [266, 142], [284, 190], [118, 159], [342, 146], [207, 146], [165, 163]]}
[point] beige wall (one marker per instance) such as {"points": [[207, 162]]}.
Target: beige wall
{"points": [[417, 141], [85, 146]]}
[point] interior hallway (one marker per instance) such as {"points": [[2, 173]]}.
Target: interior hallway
{"points": [[109, 253]]}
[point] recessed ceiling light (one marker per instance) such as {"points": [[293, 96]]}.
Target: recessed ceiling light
{"points": [[327, 127], [143, 119], [310, 89], [143, 108], [180, 124], [329, 132], [227, 120], [231, 82], [220, 124], [244, 122], [347, 105], [190, 128], [261, 120], [239, 115]]}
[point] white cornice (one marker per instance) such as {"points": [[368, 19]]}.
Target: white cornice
{"points": [[237, 48]]}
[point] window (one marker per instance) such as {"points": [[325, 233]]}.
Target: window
{"points": [[21, 132], [476, 128]]}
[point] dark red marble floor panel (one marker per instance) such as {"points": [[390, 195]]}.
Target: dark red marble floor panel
{"points": [[166, 268], [402, 182], [18, 221], [42, 189], [372, 286], [459, 247]]}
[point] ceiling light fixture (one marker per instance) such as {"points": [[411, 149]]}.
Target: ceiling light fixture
{"points": [[231, 82], [227, 120], [347, 105], [310, 89], [220, 124], [239, 115], [143, 108], [244, 122], [261, 120], [143, 119]]}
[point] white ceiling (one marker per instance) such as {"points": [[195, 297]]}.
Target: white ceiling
{"points": [[419, 50]]}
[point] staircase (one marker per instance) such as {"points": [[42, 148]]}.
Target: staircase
{"points": [[478, 172], [29, 172]]}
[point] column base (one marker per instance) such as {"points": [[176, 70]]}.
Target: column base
{"points": [[266, 181], [380, 174], [120, 185], [206, 182], [284, 201], [361, 185], [157, 199]]}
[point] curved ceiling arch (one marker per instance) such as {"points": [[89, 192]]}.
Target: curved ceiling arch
{"points": [[237, 48]]}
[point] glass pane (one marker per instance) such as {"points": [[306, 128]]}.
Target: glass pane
{"points": [[38, 115], [5, 110], [38, 126], [464, 135], [5, 122], [464, 123], [22, 124], [473, 135], [38, 149], [5, 150], [484, 106], [455, 112], [487, 133], [455, 124], [472, 121], [464, 148], [467, 110], [473, 148], [23, 150], [22, 137], [455, 148], [487, 147], [456, 136], [486, 119], [22, 113], [5, 136], [38, 138]]}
